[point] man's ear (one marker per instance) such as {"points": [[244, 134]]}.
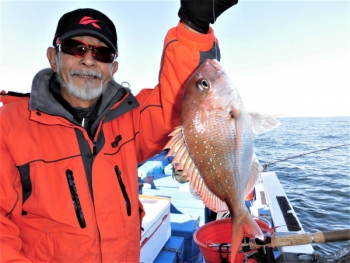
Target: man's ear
{"points": [[51, 56], [115, 67]]}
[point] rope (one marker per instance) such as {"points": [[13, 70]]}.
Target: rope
{"points": [[299, 155]]}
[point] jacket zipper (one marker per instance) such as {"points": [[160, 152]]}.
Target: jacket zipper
{"points": [[122, 187], [75, 199]]}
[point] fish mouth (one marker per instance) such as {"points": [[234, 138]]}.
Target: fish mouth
{"points": [[215, 64]]}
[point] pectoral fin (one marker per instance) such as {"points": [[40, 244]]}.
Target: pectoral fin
{"points": [[262, 122]]}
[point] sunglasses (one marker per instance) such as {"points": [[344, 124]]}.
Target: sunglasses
{"points": [[80, 49]]}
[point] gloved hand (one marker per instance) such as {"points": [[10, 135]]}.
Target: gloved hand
{"points": [[198, 14]]}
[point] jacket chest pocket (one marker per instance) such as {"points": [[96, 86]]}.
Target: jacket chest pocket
{"points": [[75, 198], [123, 189]]}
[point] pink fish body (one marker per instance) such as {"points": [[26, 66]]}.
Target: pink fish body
{"points": [[214, 147]]}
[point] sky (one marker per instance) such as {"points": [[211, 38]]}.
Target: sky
{"points": [[286, 58]]}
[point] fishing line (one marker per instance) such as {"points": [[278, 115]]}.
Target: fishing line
{"points": [[302, 154], [215, 45], [214, 10]]}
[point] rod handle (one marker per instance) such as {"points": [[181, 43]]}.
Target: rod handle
{"points": [[309, 238]]}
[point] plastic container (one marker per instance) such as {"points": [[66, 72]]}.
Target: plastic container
{"points": [[219, 231]]}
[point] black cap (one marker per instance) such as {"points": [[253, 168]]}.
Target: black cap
{"points": [[87, 22]]}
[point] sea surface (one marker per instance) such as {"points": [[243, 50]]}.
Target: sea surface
{"points": [[316, 183]]}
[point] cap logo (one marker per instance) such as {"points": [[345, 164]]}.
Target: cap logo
{"points": [[89, 20]]}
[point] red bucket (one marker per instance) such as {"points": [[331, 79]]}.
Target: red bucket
{"points": [[219, 231]]}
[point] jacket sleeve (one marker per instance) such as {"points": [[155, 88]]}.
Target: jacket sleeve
{"points": [[160, 108], [10, 205]]}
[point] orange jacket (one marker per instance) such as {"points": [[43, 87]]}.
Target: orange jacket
{"points": [[66, 198]]}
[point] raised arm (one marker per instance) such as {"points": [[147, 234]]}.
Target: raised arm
{"points": [[185, 48]]}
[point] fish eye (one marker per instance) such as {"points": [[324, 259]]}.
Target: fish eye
{"points": [[203, 84]]}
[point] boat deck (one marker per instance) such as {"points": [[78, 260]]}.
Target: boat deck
{"points": [[187, 213], [182, 201]]}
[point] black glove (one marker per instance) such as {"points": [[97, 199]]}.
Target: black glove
{"points": [[199, 13]]}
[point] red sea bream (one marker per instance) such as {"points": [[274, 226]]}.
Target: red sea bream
{"points": [[214, 147]]}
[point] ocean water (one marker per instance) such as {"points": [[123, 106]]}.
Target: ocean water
{"points": [[317, 184]]}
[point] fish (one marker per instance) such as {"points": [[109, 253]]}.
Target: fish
{"points": [[214, 147]]}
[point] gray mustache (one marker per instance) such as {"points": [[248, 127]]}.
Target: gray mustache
{"points": [[92, 73]]}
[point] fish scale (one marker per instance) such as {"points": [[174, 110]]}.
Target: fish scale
{"points": [[211, 157]]}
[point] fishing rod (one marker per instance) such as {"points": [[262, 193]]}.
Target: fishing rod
{"points": [[295, 239], [296, 156]]}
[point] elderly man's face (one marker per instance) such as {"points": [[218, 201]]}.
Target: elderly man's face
{"points": [[83, 78]]}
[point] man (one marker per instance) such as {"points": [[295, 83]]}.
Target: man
{"points": [[69, 151]]}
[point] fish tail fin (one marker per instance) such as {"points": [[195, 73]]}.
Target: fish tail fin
{"points": [[251, 227], [248, 226]]}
